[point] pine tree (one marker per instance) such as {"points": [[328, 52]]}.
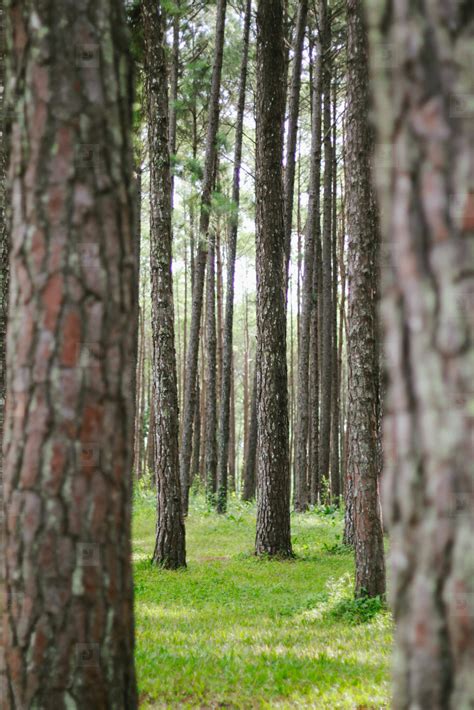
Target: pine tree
{"points": [[273, 479], [71, 354]]}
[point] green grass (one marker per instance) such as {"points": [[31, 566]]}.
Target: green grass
{"points": [[237, 632]]}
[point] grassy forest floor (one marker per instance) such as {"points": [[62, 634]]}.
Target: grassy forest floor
{"points": [[237, 632]]}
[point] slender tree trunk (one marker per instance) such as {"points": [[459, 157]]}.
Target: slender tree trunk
{"points": [[139, 397], [223, 442], [315, 338], [249, 472], [170, 537], [196, 456], [303, 391], [210, 441], [219, 315], [326, 333], [335, 403], [273, 478], [174, 80], [246, 404], [70, 361], [364, 237], [232, 442], [425, 120], [292, 134], [201, 255]]}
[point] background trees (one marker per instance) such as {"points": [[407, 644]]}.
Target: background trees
{"points": [[68, 624]]}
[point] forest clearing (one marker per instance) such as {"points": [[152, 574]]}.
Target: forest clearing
{"points": [[236, 354], [236, 631]]}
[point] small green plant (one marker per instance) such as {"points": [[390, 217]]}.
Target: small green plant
{"points": [[358, 611]]}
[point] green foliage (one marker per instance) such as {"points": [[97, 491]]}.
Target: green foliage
{"points": [[235, 631], [338, 603]]}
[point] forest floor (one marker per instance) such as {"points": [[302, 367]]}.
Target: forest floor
{"points": [[237, 632]]}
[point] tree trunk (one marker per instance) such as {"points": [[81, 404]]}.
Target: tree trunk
{"points": [[335, 402], [138, 397], [232, 442], [170, 537], [250, 461], [69, 628], [224, 415], [292, 134], [311, 236], [4, 279], [273, 478], [210, 441], [363, 230], [201, 256], [326, 355], [426, 138], [315, 336]]}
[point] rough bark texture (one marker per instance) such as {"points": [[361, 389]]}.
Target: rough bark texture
{"points": [[426, 176], [363, 236], [224, 417], [210, 440], [201, 257], [170, 538], [250, 461], [68, 627], [326, 330], [4, 273], [302, 493], [335, 401], [273, 479], [315, 335], [292, 134]]}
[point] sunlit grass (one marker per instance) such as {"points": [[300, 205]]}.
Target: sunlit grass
{"points": [[234, 631]]}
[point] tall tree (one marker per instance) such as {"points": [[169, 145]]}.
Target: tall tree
{"points": [[426, 175], [273, 479], [201, 255], [316, 312], [68, 627], [292, 132], [326, 319], [210, 440], [335, 396], [308, 302], [224, 416], [363, 235], [170, 536]]}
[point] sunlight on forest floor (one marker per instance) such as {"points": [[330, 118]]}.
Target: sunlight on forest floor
{"points": [[233, 631]]}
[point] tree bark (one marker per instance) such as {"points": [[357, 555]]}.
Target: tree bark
{"points": [[4, 281], [224, 415], [210, 441], [169, 549], [335, 397], [307, 308], [426, 178], [273, 479], [68, 443], [315, 335], [201, 255], [363, 231], [292, 134], [250, 461], [326, 332]]}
